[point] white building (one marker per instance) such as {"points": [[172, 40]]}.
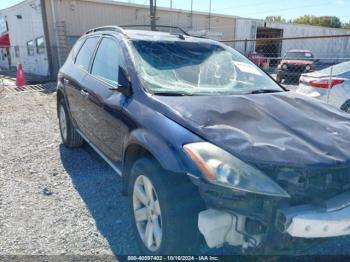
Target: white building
{"points": [[41, 32], [26, 34], [322, 48]]}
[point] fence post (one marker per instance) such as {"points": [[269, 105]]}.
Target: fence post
{"points": [[329, 83]]}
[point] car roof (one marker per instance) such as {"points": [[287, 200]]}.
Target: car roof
{"points": [[163, 36], [148, 35]]}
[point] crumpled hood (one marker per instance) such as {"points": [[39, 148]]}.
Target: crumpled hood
{"points": [[283, 129]]}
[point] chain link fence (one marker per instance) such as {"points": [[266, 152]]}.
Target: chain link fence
{"points": [[287, 59]]}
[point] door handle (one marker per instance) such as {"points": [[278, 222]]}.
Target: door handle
{"points": [[65, 81], [84, 93], [115, 88]]}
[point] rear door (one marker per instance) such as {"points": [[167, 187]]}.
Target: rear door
{"points": [[105, 106], [74, 83]]}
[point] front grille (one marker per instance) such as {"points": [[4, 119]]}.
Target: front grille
{"points": [[312, 185], [296, 68]]}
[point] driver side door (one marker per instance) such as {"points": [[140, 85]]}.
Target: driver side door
{"points": [[105, 104]]}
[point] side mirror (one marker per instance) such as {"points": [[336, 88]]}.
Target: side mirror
{"points": [[124, 84], [316, 60]]}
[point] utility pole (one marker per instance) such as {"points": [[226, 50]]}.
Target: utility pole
{"points": [[153, 13], [191, 14], [209, 14]]}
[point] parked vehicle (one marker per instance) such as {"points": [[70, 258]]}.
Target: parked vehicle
{"points": [[206, 143], [293, 64], [257, 58], [331, 85]]}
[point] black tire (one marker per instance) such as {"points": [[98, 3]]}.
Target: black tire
{"points": [[179, 203], [72, 137], [279, 79]]}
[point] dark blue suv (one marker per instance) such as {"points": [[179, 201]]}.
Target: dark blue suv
{"points": [[206, 143]]}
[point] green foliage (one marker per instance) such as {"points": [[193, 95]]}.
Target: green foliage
{"points": [[275, 19], [327, 21], [346, 25]]}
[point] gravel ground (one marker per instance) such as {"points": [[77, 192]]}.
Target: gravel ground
{"points": [[54, 200], [59, 201]]}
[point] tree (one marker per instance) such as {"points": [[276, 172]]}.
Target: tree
{"points": [[275, 19], [346, 25], [327, 21]]}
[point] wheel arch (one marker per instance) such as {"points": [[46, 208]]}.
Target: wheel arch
{"points": [[142, 143], [132, 153], [59, 96]]}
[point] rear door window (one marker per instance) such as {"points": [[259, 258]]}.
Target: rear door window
{"points": [[76, 48], [107, 61], [86, 52]]}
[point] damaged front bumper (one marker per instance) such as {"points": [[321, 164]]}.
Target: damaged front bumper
{"points": [[252, 221], [332, 219]]}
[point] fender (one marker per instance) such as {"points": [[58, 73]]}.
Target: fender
{"points": [[168, 156]]}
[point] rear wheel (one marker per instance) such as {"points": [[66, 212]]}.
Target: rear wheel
{"points": [[70, 137], [165, 209]]}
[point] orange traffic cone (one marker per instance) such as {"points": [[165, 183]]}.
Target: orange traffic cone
{"points": [[20, 77]]}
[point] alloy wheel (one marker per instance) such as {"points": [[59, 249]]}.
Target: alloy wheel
{"points": [[147, 213]]}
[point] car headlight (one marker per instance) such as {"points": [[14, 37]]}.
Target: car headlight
{"points": [[285, 66], [222, 168], [308, 68]]}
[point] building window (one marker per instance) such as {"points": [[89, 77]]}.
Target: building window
{"points": [[30, 48], [3, 25], [17, 54], [71, 40], [40, 45], [3, 54]]}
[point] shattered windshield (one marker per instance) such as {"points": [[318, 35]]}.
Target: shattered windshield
{"points": [[195, 68]]}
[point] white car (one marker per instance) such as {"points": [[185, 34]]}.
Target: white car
{"points": [[332, 85]]}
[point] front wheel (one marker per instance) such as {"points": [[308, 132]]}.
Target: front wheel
{"points": [[165, 209], [279, 78]]}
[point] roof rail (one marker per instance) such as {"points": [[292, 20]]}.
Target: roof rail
{"points": [[122, 31], [158, 26], [107, 28]]}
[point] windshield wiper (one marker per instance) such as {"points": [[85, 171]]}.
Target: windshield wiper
{"points": [[172, 94], [263, 91]]}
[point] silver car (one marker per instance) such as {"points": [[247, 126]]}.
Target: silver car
{"points": [[332, 85]]}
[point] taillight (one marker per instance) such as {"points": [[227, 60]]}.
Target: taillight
{"points": [[325, 82]]}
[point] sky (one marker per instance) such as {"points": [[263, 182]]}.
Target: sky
{"points": [[288, 9]]}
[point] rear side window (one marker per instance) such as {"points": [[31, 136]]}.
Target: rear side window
{"points": [[86, 52], [107, 61], [76, 47]]}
